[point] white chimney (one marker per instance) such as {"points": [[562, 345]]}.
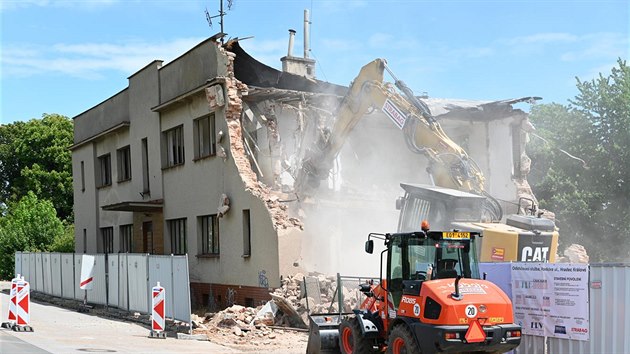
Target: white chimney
{"points": [[306, 33], [291, 39]]}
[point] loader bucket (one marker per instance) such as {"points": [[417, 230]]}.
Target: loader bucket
{"points": [[323, 334]]}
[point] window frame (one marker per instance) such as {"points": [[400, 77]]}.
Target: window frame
{"points": [[209, 243], [104, 170], [205, 136], [175, 154], [123, 159], [126, 238], [177, 236], [247, 233], [107, 239]]}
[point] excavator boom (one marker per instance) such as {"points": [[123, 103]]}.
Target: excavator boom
{"points": [[449, 165]]}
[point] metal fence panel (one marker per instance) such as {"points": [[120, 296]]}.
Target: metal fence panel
{"points": [[112, 279], [609, 313], [47, 273], [98, 294], [30, 277], [39, 273], [78, 293], [181, 289], [26, 265], [138, 278], [55, 267], [160, 270], [18, 264], [123, 282], [67, 275], [531, 345]]}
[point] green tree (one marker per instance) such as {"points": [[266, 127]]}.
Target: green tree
{"points": [[29, 225], [581, 171], [35, 156]]}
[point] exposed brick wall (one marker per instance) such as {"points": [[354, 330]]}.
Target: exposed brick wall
{"points": [[220, 296]]}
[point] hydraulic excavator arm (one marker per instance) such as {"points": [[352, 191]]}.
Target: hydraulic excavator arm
{"points": [[449, 165]]}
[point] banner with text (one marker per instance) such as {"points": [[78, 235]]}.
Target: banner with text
{"points": [[551, 299]]}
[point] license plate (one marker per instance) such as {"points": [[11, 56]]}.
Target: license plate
{"points": [[455, 235]]}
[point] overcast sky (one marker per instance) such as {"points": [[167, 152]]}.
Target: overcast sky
{"points": [[67, 56]]}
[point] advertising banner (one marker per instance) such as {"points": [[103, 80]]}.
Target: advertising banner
{"points": [[551, 299]]}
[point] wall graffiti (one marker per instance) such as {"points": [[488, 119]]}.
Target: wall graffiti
{"points": [[263, 281]]}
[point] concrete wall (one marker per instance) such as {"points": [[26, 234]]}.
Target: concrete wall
{"points": [[105, 115], [191, 70], [85, 215], [157, 99]]}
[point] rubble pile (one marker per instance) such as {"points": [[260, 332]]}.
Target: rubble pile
{"points": [[239, 325], [320, 296], [289, 308]]}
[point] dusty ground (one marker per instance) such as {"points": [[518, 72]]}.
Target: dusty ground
{"points": [[271, 341], [255, 339]]}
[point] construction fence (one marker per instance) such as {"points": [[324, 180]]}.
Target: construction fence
{"points": [[608, 311], [121, 280]]}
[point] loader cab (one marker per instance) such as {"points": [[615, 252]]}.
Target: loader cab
{"points": [[422, 256], [442, 206]]}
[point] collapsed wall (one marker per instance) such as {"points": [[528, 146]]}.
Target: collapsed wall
{"points": [[277, 117]]}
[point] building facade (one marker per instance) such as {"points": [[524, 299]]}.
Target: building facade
{"points": [[199, 157]]}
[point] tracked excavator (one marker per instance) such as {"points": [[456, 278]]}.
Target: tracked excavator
{"points": [[431, 299], [457, 197]]}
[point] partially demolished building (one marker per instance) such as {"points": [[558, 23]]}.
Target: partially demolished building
{"points": [[200, 156]]}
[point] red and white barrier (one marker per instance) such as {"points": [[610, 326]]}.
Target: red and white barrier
{"points": [[23, 302], [12, 316], [19, 306], [12, 300], [158, 322]]}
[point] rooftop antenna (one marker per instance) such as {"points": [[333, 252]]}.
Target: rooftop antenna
{"points": [[220, 15]]}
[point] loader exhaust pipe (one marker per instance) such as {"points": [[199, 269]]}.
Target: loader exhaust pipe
{"points": [[456, 295]]}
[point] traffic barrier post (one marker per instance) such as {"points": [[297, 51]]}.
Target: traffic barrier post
{"points": [[12, 317], [158, 322], [23, 306]]}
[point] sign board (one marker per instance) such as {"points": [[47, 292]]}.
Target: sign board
{"points": [[551, 299], [394, 113], [534, 248], [87, 272]]}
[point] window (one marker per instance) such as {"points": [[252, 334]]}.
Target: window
{"points": [[126, 238], [124, 163], [174, 140], [105, 170], [209, 234], [247, 234], [82, 176], [205, 144], [145, 167], [84, 240], [177, 232], [107, 239]]}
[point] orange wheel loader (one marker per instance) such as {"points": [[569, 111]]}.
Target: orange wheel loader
{"points": [[431, 300]]}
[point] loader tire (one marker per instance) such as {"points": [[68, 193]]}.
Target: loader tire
{"points": [[351, 340], [402, 341]]}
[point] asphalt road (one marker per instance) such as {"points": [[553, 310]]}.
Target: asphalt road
{"points": [[59, 330]]}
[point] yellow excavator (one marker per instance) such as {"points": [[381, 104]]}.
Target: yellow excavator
{"points": [[457, 197]]}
